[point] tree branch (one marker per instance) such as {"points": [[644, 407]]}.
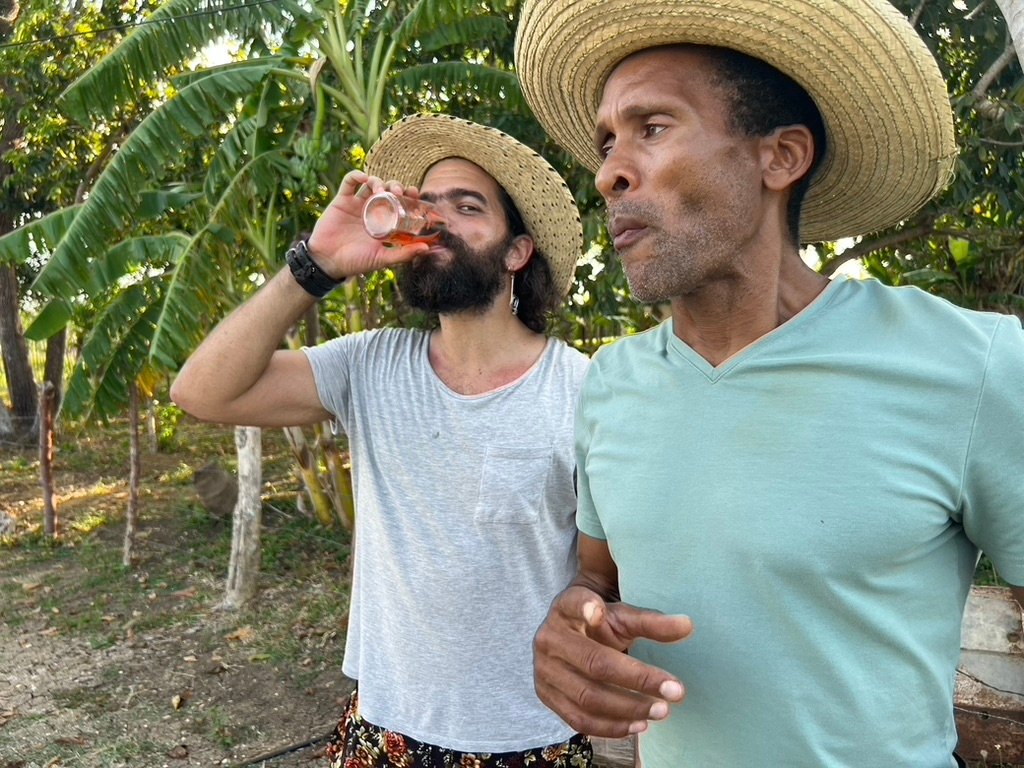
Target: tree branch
{"points": [[979, 9], [864, 247], [983, 104], [916, 15]]}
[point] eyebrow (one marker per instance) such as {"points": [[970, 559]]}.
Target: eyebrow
{"points": [[630, 112], [453, 194]]}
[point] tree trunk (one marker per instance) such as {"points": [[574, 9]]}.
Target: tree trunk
{"points": [[244, 567], [6, 425], [46, 408], [131, 518], [53, 368], [1013, 11], [18, 368]]}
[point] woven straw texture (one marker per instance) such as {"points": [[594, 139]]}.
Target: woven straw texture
{"points": [[407, 150], [879, 89]]}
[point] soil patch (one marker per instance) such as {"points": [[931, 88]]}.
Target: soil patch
{"points": [[102, 666]]}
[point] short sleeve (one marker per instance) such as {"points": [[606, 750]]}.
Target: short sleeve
{"points": [[993, 493], [587, 519]]}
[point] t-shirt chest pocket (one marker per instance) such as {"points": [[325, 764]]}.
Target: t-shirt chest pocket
{"points": [[512, 485]]}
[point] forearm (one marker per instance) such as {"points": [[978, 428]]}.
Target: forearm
{"points": [[232, 375], [597, 570]]}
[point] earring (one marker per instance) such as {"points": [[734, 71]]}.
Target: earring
{"points": [[513, 300]]}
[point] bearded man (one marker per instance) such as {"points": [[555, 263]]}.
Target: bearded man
{"points": [[461, 442]]}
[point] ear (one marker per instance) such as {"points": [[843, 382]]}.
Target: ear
{"points": [[786, 155], [519, 253]]}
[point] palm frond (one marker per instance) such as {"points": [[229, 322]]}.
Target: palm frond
{"points": [[425, 15], [194, 289], [197, 280], [467, 32], [16, 246], [113, 353], [106, 272], [486, 82], [172, 34], [115, 199]]}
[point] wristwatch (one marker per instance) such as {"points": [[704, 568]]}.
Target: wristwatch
{"points": [[307, 272]]}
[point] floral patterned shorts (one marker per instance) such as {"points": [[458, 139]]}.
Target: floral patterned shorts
{"points": [[356, 743]]}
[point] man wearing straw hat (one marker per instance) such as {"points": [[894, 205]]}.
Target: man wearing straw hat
{"points": [[461, 443], [784, 488]]}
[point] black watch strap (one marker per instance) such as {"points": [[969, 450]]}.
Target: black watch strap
{"points": [[308, 273]]}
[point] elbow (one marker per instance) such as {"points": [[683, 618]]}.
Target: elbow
{"points": [[187, 396]]}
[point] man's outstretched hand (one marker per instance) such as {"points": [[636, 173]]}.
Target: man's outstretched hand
{"points": [[581, 670]]}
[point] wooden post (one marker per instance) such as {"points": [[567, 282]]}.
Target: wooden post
{"points": [[244, 567], [131, 518], [46, 408]]}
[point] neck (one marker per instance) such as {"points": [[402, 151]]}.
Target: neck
{"points": [[726, 316], [475, 352]]}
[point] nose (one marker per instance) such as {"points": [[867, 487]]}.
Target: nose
{"points": [[615, 176]]}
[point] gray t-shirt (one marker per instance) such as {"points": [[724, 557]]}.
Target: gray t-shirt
{"points": [[465, 531]]}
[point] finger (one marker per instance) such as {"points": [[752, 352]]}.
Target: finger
{"points": [[394, 255], [563, 650], [595, 707], [630, 622], [611, 667], [579, 605], [352, 181]]}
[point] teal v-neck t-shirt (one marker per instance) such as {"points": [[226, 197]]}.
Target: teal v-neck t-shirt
{"points": [[816, 504]]}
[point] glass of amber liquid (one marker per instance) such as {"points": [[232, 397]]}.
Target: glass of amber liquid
{"points": [[399, 220]]}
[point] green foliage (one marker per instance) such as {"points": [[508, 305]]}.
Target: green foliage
{"points": [[220, 167], [966, 245], [154, 144], [174, 34]]}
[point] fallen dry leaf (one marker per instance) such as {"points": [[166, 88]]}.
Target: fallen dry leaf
{"points": [[71, 741], [242, 635]]}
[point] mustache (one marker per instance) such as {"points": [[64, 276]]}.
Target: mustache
{"points": [[451, 241], [631, 210]]}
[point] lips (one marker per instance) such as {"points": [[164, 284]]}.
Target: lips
{"points": [[625, 231]]}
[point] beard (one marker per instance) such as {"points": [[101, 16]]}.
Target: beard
{"points": [[675, 263], [468, 282]]}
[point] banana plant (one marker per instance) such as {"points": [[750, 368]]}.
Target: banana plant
{"points": [[192, 212]]}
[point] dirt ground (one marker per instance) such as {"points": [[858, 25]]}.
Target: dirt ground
{"points": [[155, 675]]}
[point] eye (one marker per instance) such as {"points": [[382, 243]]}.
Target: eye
{"points": [[652, 129], [468, 207], [604, 146]]}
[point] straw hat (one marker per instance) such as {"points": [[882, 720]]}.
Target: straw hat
{"points": [[887, 115], [407, 150]]}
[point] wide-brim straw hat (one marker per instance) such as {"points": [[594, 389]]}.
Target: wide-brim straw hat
{"points": [[409, 147], [887, 115]]}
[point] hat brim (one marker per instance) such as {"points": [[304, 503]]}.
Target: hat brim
{"points": [[888, 120], [411, 146]]}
